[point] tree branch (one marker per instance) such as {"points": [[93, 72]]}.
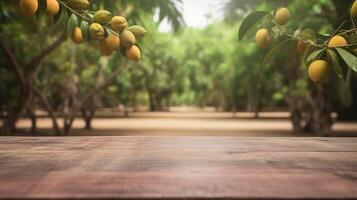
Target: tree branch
{"points": [[105, 84], [47, 106], [13, 63], [91, 94], [34, 63]]}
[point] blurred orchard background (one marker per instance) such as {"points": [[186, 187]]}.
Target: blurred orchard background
{"points": [[194, 76]]}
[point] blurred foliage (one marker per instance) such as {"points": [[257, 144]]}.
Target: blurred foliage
{"points": [[202, 67]]}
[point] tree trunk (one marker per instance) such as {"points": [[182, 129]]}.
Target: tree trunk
{"points": [[151, 101], [256, 113], [9, 125], [126, 111], [88, 123], [33, 118], [88, 116], [312, 112], [322, 117], [168, 103], [317, 108], [158, 101], [296, 119], [9, 122], [68, 122], [76, 106], [134, 101], [69, 114], [234, 110], [25, 78], [49, 110]]}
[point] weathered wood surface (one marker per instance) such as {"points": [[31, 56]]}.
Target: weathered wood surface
{"points": [[178, 167]]}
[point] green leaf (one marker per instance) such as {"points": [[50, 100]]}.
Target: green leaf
{"points": [[89, 14], [71, 24], [250, 21], [313, 55], [335, 63], [349, 58], [323, 36], [308, 34], [309, 50], [85, 30], [275, 50]]}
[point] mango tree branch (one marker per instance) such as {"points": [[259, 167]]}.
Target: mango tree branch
{"points": [[84, 17], [13, 63], [102, 86], [74, 11], [48, 107], [347, 31], [77, 106], [337, 32], [34, 63]]}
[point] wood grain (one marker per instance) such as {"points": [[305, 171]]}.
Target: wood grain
{"points": [[177, 167]]}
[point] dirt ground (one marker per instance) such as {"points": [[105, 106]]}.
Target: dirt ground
{"points": [[189, 124]]}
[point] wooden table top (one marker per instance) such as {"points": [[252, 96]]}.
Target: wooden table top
{"points": [[177, 167]]}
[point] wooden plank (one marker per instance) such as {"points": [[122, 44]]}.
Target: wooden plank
{"points": [[178, 167]]}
